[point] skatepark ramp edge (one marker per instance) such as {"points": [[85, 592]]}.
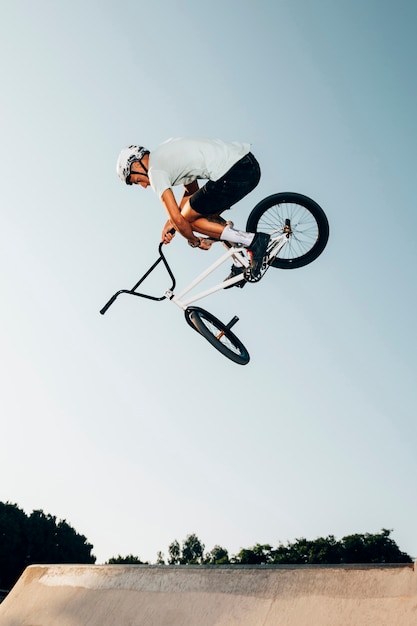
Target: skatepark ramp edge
{"points": [[155, 595]]}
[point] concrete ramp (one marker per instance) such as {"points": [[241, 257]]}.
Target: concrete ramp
{"points": [[131, 595]]}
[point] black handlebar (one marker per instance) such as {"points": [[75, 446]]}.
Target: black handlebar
{"points": [[133, 292]]}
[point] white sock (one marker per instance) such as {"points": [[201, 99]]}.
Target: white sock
{"points": [[236, 236]]}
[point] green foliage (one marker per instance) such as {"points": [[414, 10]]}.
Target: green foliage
{"points": [[13, 547], [218, 556], [160, 559], [258, 555], [302, 551], [174, 551], [190, 553], [367, 548], [125, 560], [52, 541], [192, 550], [38, 538]]}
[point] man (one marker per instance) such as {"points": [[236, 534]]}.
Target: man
{"points": [[231, 172]]}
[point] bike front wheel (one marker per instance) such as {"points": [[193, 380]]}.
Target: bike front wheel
{"points": [[295, 221], [218, 334]]}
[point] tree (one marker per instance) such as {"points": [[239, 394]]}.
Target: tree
{"points": [[368, 548], [37, 538], [259, 554], [160, 558], [125, 560], [174, 551], [303, 551], [190, 553], [192, 550], [13, 543], [217, 556], [50, 541]]}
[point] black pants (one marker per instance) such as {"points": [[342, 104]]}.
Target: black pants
{"points": [[235, 184]]}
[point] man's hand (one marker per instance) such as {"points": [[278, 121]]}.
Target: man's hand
{"points": [[168, 233], [205, 243]]}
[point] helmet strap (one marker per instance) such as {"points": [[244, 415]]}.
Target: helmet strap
{"points": [[144, 167], [140, 173]]}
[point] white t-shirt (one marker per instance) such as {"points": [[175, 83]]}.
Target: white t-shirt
{"points": [[180, 160]]}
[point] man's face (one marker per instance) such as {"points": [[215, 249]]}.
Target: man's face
{"points": [[138, 175]]}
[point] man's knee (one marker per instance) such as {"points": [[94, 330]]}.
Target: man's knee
{"points": [[189, 214], [216, 218]]}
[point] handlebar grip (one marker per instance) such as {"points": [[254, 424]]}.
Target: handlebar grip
{"points": [[109, 303]]}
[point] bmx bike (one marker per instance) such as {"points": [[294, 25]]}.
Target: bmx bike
{"points": [[299, 232]]}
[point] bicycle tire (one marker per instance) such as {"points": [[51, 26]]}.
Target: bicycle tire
{"points": [[309, 227], [217, 333]]}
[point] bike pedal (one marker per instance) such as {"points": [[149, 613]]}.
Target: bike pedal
{"points": [[250, 278]]}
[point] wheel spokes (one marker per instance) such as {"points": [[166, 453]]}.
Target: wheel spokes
{"points": [[296, 223]]}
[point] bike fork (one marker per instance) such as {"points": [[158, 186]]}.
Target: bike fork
{"points": [[228, 326]]}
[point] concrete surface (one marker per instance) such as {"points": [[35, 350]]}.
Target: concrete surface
{"points": [[131, 595]]}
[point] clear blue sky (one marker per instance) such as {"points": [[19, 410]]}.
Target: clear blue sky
{"points": [[130, 426]]}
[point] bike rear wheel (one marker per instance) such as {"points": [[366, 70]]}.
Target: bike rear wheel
{"points": [[218, 334], [300, 219]]}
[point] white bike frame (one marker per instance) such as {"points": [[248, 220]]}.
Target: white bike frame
{"points": [[238, 255]]}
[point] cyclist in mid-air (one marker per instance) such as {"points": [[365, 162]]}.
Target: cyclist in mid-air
{"points": [[231, 172]]}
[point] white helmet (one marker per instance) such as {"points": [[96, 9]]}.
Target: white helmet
{"points": [[129, 155]]}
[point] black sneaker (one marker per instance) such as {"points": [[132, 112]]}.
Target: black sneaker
{"points": [[235, 271], [257, 251]]}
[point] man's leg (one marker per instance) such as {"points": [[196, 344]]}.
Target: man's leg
{"points": [[256, 243], [210, 225], [215, 226]]}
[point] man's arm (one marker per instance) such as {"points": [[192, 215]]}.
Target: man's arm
{"points": [[189, 190], [176, 220]]}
